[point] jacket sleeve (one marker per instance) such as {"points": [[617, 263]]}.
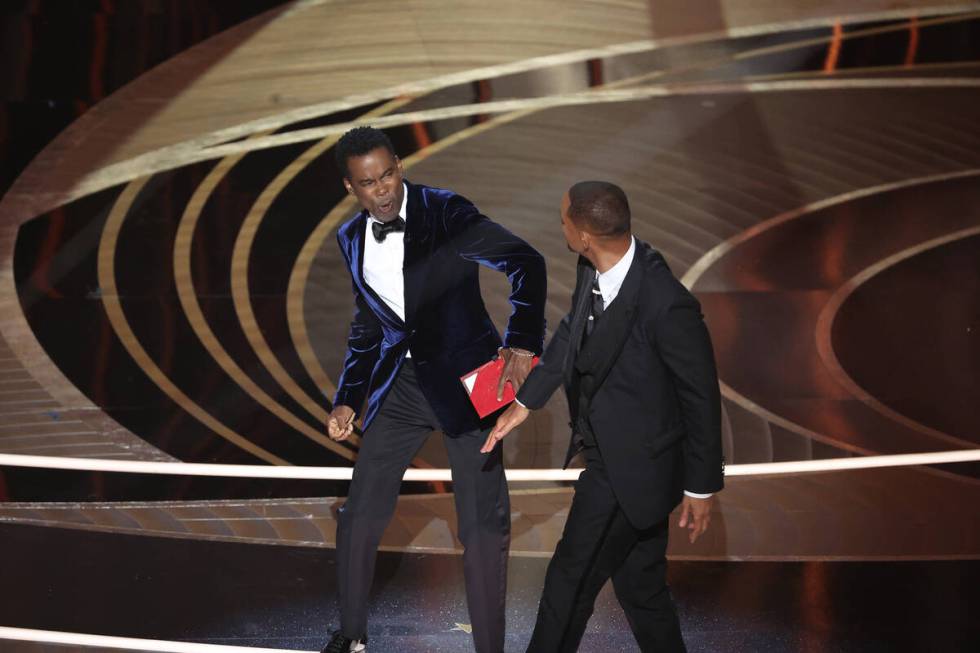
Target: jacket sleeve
{"points": [[477, 238], [684, 345], [548, 374], [363, 351]]}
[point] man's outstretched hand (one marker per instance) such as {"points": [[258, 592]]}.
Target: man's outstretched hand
{"points": [[507, 422], [516, 369], [695, 515], [340, 423]]}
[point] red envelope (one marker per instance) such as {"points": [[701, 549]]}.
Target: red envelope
{"points": [[481, 386]]}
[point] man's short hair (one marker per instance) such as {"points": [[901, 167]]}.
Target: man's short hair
{"points": [[599, 207], [358, 142]]}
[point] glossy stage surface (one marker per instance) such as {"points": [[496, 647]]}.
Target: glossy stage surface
{"points": [[244, 595], [171, 290]]}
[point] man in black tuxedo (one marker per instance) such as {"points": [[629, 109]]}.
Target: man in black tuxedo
{"points": [[414, 254], [637, 365]]}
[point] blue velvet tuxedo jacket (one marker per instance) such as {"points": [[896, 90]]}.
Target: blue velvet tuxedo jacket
{"points": [[446, 326]]}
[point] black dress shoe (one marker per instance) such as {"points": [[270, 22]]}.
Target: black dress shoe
{"points": [[340, 643]]}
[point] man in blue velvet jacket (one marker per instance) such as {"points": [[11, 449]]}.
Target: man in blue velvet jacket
{"points": [[420, 324]]}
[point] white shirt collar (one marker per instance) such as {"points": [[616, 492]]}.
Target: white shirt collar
{"points": [[611, 280], [403, 211]]}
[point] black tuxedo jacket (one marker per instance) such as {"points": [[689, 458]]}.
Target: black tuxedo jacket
{"points": [[645, 386], [446, 325]]}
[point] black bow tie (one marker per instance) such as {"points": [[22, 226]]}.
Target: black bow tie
{"points": [[382, 229]]}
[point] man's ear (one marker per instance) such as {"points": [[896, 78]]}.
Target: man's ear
{"points": [[350, 189]]}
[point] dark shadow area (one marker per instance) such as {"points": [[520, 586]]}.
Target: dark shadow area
{"points": [[910, 336], [278, 596], [59, 58]]}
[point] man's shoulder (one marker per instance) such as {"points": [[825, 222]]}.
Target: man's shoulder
{"points": [[654, 264], [658, 276], [433, 196]]}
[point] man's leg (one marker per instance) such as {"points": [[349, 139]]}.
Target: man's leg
{"points": [[483, 518], [641, 587], [596, 540], [387, 448]]}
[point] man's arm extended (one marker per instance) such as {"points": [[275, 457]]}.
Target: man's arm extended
{"points": [[541, 383], [477, 238]]}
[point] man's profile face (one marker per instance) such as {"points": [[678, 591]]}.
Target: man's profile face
{"points": [[375, 179], [573, 237]]}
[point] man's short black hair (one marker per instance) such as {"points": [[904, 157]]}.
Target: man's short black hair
{"points": [[599, 207], [358, 142]]}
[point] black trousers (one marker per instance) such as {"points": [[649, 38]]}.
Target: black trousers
{"points": [[599, 543], [403, 423]]}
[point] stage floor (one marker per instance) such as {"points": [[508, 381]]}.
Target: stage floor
{"points": [[283, 597]]}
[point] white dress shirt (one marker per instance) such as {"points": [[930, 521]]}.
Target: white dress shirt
{"points": [[610, 282], [384, 261]]}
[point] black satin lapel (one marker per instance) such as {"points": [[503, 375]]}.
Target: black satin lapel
{"points": [[416, 237], [580, 315]]}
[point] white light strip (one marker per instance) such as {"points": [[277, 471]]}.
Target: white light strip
{"points": [[123, 643], [517, 475]]}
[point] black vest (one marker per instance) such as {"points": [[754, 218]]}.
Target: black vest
{"points": [[581, 390]]}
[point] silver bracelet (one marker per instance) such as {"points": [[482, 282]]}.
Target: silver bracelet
{"points": [[518, 352]]}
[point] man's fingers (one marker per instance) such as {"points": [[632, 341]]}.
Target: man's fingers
{"points": [[490, 443], [501, 429], [340, 419], [697, 530], [685, 514], [507, 422], [501, 384], [699, 524]]}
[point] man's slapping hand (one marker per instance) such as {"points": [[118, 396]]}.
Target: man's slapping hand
{"points": [[507, 422]]}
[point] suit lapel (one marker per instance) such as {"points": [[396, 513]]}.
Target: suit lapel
{"points": [[416, 237], [580, 314], [599, 353]]}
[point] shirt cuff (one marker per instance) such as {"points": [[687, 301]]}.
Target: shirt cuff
{"points": [[695, 495], [519, 403]]}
